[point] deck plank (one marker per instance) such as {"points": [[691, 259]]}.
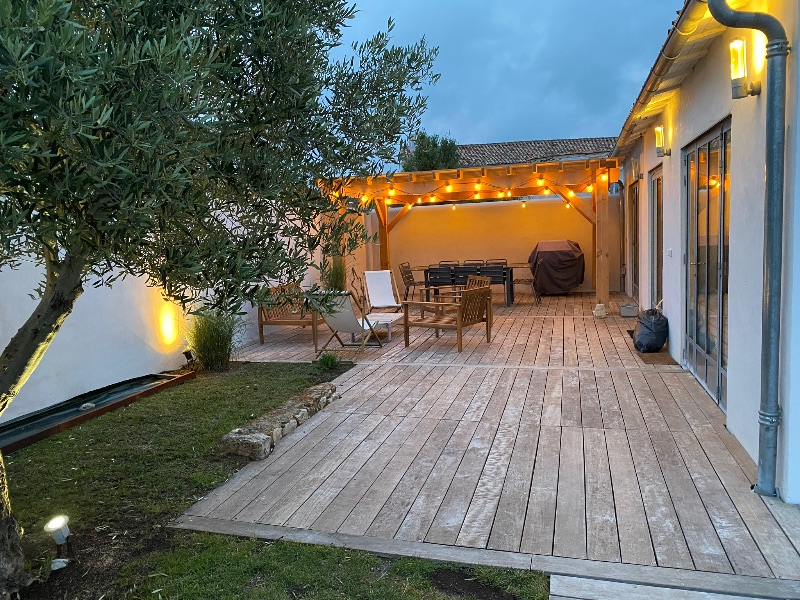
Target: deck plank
{"points": [[602, 537], [420, 516], [450, 515], [570, 531], [411, 431], [739, 545], [701, 537], [537, 536], [391, 514], [636, 546], [665, 529]]}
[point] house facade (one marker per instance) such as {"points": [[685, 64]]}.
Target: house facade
{"points": [[693, 167]]}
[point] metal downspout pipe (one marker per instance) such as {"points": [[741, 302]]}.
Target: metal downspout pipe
{"points": [[769, 415]]}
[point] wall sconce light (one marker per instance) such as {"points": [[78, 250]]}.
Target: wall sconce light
{"points": [[740, 87], [660, 149]]}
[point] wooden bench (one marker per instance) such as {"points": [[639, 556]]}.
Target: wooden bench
{"points": [[288, 313]]}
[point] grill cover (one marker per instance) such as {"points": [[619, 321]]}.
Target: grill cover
{"points": [[561, 266]]}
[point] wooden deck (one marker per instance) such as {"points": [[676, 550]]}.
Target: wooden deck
{"points": [[554, 444]]}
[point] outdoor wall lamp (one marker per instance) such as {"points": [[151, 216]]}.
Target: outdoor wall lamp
{"points": [[740, 87], [660, 149]]}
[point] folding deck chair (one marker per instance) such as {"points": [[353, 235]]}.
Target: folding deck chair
{"points": [[380, 291], [341, 317]]}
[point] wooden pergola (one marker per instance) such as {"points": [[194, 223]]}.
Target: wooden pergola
{"points": [[581, 183]]}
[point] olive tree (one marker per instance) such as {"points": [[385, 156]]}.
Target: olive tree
{"points": [[195, 144]]}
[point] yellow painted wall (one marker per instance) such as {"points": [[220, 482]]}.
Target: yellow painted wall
{"points": [[428, 234]]}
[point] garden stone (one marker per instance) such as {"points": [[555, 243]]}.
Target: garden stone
{"points": [[289, 426], [255, 446], [277, 434], [302, 416]]}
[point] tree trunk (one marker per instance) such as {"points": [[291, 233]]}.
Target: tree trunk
{"points": [[18, 361], [13, 575]]}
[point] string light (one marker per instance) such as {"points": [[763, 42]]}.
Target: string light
{"points": [[570, 193], [508, 193], [387, 201], [477, 196], [419, 200], [391, 191], [363, 199], [449, 188], [478, 186], [524, 204], [540, 181], [590, 188], [547, 191], [453, 207], [499, 194], [432, 199], [568, 205], [604, 177]]}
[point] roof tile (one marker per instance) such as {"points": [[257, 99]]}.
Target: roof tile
{"points": [[533, 151]]}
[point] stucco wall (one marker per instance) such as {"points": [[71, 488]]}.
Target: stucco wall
{"points": [[112, 335], [428, 234], [703, 101]]}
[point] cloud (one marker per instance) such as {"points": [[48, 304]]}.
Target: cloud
{"points": [[513, 71]]}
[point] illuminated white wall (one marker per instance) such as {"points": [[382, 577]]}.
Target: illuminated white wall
{"points": [[112, 335]]}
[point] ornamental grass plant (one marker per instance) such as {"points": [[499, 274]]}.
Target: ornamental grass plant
{"points": [[211, 338]]}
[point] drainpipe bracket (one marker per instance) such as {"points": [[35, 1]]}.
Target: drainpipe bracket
{"points": [[778, 48], [769, 419]]}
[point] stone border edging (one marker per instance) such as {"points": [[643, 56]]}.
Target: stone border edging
{"points": [[257, 439]]}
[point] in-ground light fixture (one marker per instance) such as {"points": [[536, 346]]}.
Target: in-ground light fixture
{"points": [[58, 528]]}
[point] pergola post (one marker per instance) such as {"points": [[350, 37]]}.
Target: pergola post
{"points": [[383, 231], [601, 239]]}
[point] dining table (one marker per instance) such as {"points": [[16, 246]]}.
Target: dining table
{"points": [[507, 282]]}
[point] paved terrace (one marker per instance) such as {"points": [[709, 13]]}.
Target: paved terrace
{"points": [[555, 447]]}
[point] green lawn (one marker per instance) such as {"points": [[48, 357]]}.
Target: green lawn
{"points": [[125, 475]]}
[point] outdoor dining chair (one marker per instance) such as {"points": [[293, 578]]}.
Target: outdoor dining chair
{"points": [[380, 291], [408, 279], [461, 272], [439, 275]]}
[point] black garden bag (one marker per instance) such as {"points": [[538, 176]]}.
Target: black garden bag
{"points": [[651, 332]]}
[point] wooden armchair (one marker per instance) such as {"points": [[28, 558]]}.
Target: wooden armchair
{"points": [[451, 294], [470, 307]]}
